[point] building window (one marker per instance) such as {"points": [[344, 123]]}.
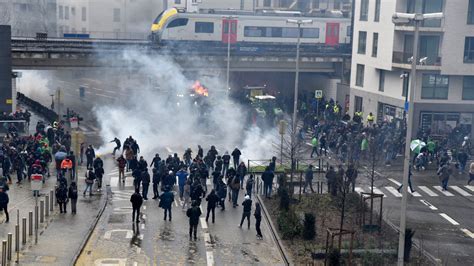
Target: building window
{"points": [[360, 75], [375, 44], [177, 2], [84, 30], [116, 14], [362, 42], [364, 10], [66, 13], [434, 86], [468, 88], [338, 4], [377, 11], [267, 3], [204, 27], [357, 104], [470, 12], [469, 50], [60, 12], [381, 80], [73, 11], [84, 14]]}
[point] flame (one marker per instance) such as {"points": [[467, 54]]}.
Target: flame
{"points": [[199, 89]]}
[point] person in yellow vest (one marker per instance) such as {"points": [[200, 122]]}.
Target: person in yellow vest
{"points": [[336, 110], [370, 119]]}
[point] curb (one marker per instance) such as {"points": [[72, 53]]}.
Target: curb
{"points": [[92, 227], [273, 231]]}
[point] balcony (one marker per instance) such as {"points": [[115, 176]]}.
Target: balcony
{"points": [[426, 26], [403, 60]]}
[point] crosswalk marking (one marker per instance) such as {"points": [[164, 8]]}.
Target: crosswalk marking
{"points": [[395, 182], [467, 232], [451, 220], [378, 191], [429, 205], [414, 193], [446, 193], [394, 192], [471, 188], [460, 191], [428, 191]]}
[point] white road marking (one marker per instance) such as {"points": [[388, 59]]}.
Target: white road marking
{"points": [[108, 234], [446, 193], [144, 207], [207, 238], [394, 192], [144, 216], [378, 191], [176, 203], [110, 262], [460, 191], [451, 220], [429, 205], [168, 149], [471, 188], [467, 232], [428, 191], [139, 250], [395, 181], [142, 226], [210, 258], [415, 194], [203, 223], [135, 263]]}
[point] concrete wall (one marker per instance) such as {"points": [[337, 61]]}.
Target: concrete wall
{"points": [[5, 69], [455, 31]]}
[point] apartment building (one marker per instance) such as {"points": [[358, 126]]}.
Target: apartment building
{"points": [[381, 56]]}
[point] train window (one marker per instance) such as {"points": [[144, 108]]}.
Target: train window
{"points": [[310, 33], [178, 23], [290, 33], [254, 31], [204, 27], [157, 19], [277, 32]]}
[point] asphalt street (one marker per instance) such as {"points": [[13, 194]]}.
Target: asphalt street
{"points": [[154, 241]]}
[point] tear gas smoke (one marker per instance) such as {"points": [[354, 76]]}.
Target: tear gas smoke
{"points": [[168, 120], [34, 84]]}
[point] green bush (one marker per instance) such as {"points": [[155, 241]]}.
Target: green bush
{"points": [[372, 259], [308, 227], [284, 199], [289, 224]]}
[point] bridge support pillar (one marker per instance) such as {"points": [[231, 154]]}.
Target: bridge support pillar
{"points": [[6, 101]]}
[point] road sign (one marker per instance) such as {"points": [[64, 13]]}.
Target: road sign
{"points": [[282, 127], [74, 122], [318, 94]]}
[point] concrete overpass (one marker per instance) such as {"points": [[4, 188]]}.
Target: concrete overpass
{"points": [[30, 53]]}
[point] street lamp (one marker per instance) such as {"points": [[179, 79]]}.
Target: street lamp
{"points": [[229, 31], [417, 19], [298, 22]]}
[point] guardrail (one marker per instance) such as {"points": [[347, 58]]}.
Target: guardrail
{"points": [[37, 107], [405, 58]]}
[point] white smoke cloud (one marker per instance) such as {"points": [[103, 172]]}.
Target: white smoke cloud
{"points": [[34, 84], [159, 124]]}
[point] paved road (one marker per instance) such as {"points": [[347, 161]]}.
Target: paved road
{"points": [[158, 242]]}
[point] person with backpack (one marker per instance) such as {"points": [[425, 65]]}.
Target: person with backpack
{"points": [[61, 197], [235, 186], [166, 201], [72, 194], [249, 185], [137, 201], [212, 200], [193, 213], [90, 177], [222, 193], [247, 204], [258, 220]]}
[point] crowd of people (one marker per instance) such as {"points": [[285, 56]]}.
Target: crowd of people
{"points": [[188, 174]]}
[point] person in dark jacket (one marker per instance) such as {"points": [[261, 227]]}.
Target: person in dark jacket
{"points": [[193, 213], [4, 203], [145, 183], [99, 174], [241, 172], [156, 182], [267, 178], [90, 177], [137, 201], [61, 197], [90, 155], [222, 193], [331, 181], [72, 194], [236, 157], [258, 219], [6, 165], [249, 185], [212, 200], [166, 201], [226, 163], [308, 178], [137, 177], [247, 204]]}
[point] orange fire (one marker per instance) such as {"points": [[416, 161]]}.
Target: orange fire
{"points": [[199, 89]]}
